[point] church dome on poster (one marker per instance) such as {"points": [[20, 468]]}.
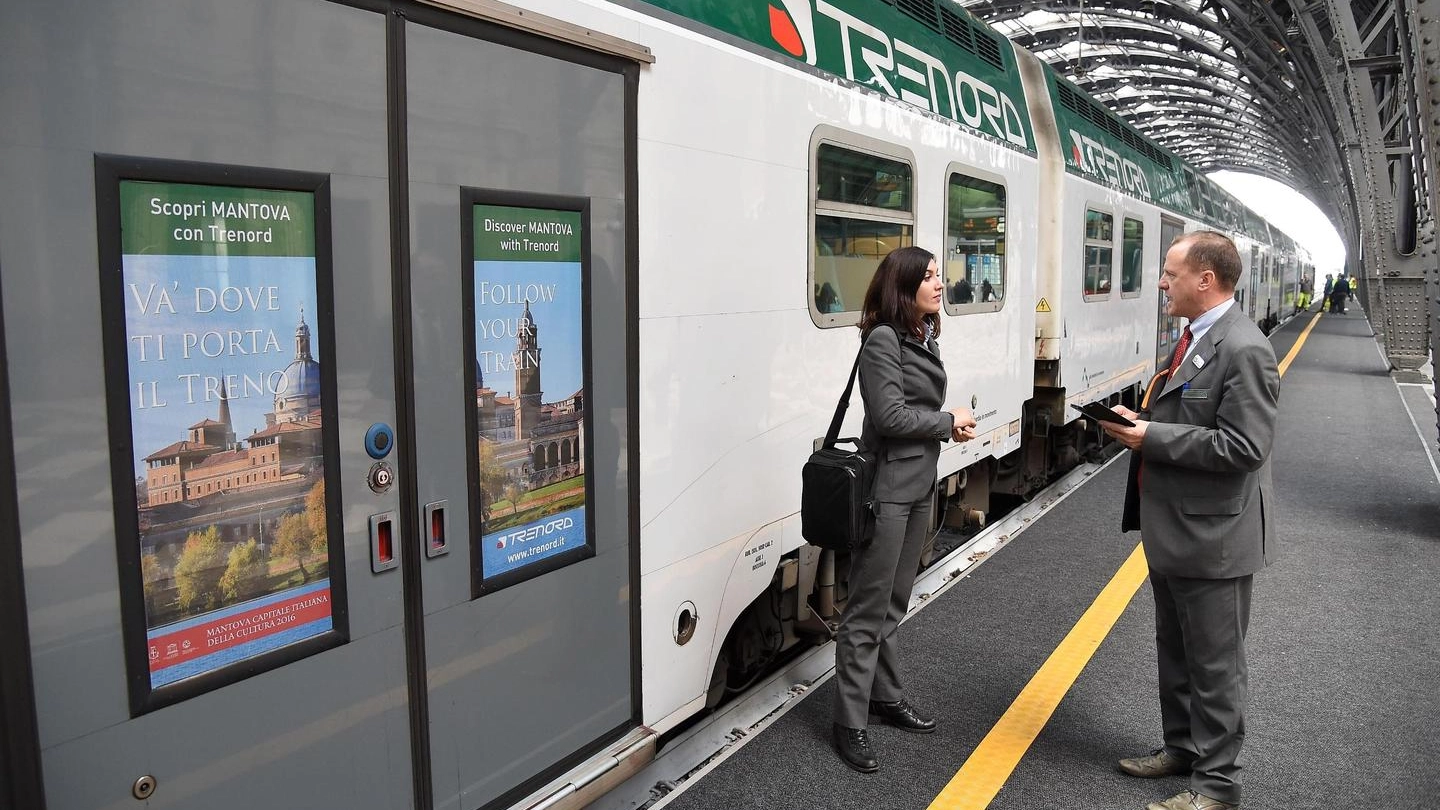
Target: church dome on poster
{"points": [[299, 390], [302, 379]]}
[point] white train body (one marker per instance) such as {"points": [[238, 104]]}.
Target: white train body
{"points": [[737, 379]]}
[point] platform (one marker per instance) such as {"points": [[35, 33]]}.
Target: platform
{"points": [[1342, 647]]}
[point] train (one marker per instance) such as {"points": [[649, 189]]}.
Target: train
{"points": [[407, 399]]}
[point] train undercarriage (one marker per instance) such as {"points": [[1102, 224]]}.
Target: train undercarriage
{"points": [[804, 600]]}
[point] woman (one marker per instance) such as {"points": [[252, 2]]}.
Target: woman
{"points": [[902, 383]]}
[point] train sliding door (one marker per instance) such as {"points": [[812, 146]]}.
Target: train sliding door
{"points": [[519, 152], [1256, 272], [195, 241], [318, 323], [1168, 325], [20, 778]]}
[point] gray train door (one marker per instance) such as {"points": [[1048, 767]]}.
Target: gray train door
{"points": [[316, 322], [519, 153], [1256, 260], [20, 779], [1168, 326], [196, 247]]}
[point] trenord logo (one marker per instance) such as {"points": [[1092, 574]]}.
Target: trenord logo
{"points": [[793, 30], [871, 56], [1100, 160], [535, 532]]}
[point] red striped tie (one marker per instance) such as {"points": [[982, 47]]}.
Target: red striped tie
{"points": [[1180, 349]]}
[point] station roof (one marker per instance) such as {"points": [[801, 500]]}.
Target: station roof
{"points": [[1225, 84]]}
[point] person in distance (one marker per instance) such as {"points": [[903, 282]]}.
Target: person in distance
{"points": [[1200, 493], [902, 383], [1339, 295]]}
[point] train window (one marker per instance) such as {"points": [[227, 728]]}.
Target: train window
{"points": [[860, 179], [863, 209], [1099, 253], [1133, 247], [974, 245]]}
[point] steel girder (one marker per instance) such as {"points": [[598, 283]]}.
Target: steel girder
{"points": [[1125, 52], [1373, 80], [1425, 42], [1340, 99]]}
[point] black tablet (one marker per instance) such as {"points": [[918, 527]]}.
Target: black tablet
{"points": [[1101, 413]]}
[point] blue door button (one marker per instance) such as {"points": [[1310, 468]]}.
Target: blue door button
{"points": [[379, 439]]}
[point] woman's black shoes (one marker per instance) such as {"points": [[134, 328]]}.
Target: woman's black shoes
{"points": [[903, 716], [853, 746]]}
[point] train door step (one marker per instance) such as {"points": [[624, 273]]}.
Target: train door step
{"points": [[597, 775]]}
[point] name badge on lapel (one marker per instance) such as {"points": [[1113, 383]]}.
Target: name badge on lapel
{"points": [[1198, 361], [1194, 393]]}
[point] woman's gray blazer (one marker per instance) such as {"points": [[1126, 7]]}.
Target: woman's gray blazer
{"points": [[902, 383]]}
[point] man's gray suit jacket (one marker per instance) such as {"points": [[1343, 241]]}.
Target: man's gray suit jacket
{"points": [[1200, 490], [902, 383]]}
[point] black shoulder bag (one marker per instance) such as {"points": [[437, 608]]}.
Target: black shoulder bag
{"points": [[837, 488]]}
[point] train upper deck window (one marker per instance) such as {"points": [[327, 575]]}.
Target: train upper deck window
{"points": [[974, 245], [1099, 254], [863, 209], [860, 179], [1133, 245]]}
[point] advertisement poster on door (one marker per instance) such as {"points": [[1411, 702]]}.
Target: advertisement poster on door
{"points": [[226, 413], [531, 405]]}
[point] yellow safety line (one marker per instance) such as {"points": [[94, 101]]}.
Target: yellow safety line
{"points": [[1300, 341], [995, 758], [985, 772]]}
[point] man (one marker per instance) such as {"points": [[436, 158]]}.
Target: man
{"points": [[1339, 295], [1200, 494], [1329, 287]]}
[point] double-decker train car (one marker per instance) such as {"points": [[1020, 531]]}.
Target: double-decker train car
{"points": [[407, 400]]}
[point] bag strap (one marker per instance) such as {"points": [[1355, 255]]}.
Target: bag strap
{"points": [[833, 434]]}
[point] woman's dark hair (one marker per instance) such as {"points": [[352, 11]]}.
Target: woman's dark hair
{"points": [[891, 295]]}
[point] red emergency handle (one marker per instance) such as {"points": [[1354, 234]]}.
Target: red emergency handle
{"points": [[384, 546]]}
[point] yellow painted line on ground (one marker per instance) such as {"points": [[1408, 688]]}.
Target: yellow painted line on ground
{"points": [[1300, 341], [990, 765], [995, 758]]}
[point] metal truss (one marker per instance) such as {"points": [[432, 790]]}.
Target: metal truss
{"points": [[1339, 99], [1223, 83]]}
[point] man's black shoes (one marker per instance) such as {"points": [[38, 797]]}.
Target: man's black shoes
{"points": [[1154, 765], [853, 746], [903, 716]]}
